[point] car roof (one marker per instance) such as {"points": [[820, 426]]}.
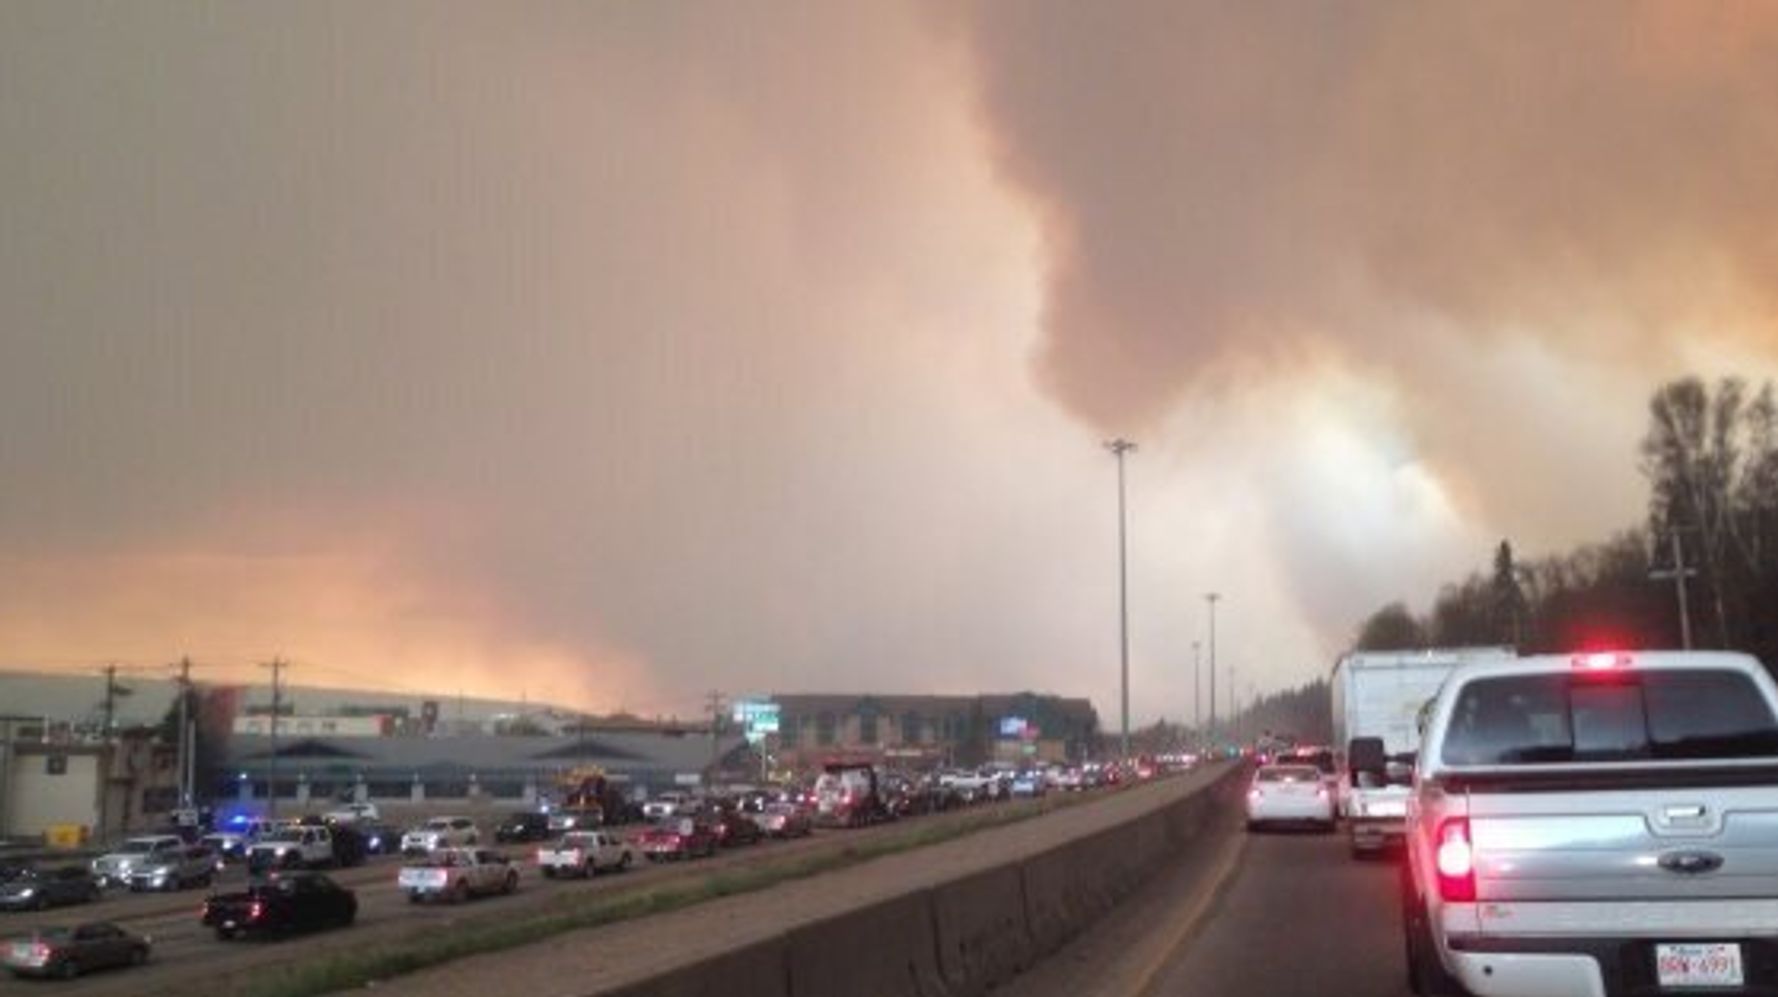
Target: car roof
{"points": [[1546, 664]]}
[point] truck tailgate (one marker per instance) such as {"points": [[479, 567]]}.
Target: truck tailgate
{"points": [[1712, 842]]}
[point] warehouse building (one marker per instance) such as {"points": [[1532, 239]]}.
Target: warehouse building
{"points": [[417, 769]]}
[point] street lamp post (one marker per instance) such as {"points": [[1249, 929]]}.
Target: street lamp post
{"points": [[1118, 448], [1197, 694], [1211, 598]]}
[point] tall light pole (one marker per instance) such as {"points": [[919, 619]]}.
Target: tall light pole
{"points": [[1211, 598], [1197, 694], [1118, 448]]}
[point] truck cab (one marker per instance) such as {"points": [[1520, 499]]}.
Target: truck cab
{"points": [[1597, 824]]}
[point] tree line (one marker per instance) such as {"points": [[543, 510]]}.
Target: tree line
{"points": [[1710, 456]]}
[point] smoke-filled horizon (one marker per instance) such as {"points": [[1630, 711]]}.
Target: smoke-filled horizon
{"points": [[617, 353]]}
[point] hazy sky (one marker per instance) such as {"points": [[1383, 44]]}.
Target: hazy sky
{"points": [[612, 353]]}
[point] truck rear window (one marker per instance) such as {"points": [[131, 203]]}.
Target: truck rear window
{"points": [[1621, 716]]}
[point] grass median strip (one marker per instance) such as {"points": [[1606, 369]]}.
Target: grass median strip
{"points": [[572, 911]]}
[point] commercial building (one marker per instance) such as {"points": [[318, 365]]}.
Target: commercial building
{"points": [[101, 789], [928, 731], [417, 769], [292, 727]]}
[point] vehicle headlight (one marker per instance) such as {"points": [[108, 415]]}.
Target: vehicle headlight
{"points": [[27, 893]]}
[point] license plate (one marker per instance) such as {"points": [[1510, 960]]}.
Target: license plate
{"points": [[1389, 809], [1711, 964]]}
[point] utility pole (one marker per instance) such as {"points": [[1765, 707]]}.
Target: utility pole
{"points": [[277, 665], [1679, 573], [1118, 448], [110, 702], [1211, 599], [185, 746], [109, 756], [715, 706]]}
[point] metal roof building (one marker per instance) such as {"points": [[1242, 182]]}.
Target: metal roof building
{"points": [[499, 767]]}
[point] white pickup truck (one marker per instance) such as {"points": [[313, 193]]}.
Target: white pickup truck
{"points": [[299, 847], [456, 874], [1596, 825], [585, 853]]}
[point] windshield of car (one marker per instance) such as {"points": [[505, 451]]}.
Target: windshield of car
{"points": [[287, 834], [139, 846], [1628, 715], [1288, 773], [437, 824]]}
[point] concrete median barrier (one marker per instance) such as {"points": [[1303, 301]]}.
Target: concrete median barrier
{"points": [[991, 925], [983, 932], [950, 920], [886, 948]]}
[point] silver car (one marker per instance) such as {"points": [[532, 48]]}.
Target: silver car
{"points": [[1596, 824], [192, 865], [114, 868]]}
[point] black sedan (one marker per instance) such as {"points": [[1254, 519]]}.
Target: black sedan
{"points": [[36, 889], [520, 827], [69, 952]]}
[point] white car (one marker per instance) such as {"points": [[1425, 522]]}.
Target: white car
{"points": [[584, 853], [1289, 794], [115, 868], [665, 805], [440, 832], [354, 812]]}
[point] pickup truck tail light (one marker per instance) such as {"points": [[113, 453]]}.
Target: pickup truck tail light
{"points": [[1455, 861]]}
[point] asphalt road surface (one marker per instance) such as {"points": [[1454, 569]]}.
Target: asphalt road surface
{"points": [[1270, 914], [1300, 918]]}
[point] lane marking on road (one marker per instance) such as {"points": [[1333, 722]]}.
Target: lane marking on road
{"points": [[1180, 931]]}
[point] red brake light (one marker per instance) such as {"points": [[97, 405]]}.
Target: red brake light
{"points": [[255, 910], [1601, 661], [1455, 861]]}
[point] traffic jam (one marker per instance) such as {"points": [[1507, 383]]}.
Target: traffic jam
{"points": [[1594, 823], [276, 878]]}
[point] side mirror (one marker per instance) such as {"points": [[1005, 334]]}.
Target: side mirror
{"points": [[1366, 759]]}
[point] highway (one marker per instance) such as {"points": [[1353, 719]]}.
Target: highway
{"points": [[185, 952], [1272, 914], [1299, 918], [1240, 914]]}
